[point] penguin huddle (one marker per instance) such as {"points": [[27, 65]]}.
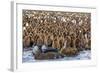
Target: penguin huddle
{"points": [[54, 34]]}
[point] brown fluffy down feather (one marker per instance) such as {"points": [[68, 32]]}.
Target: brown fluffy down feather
{"points": [[69, 51]]}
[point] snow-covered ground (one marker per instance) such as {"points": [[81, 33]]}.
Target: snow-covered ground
{"points": [[83, 55]]}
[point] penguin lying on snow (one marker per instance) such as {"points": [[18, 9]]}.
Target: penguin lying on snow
{"points": [[46, 49], [36, 50], [43, 49], [46, 53]]}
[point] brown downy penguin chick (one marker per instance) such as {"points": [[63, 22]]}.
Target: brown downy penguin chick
{"points": [[54, 44], [49, 41], [69, 51], [87, 41], [61, 42], [26, 41]]}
